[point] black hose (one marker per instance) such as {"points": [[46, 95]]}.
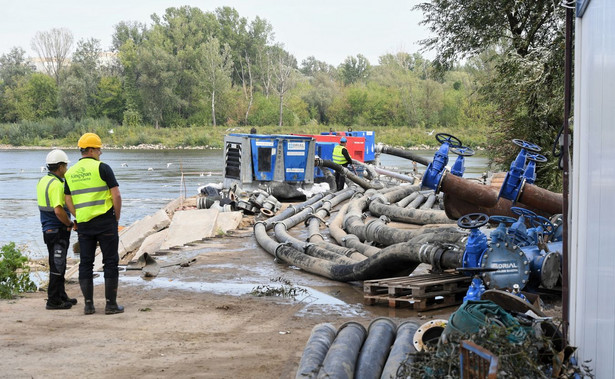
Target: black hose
{"points": [[315, 351], [410, 216], [375, 350], [402, 154], [344, 171], [342, 356], [396, 260], [401, 350]]}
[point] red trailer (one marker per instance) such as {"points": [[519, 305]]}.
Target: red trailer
{"points": [[355, 145]]}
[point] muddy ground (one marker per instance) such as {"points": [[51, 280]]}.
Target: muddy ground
{"points": [[198, 321]]}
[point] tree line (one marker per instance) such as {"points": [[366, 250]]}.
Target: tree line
{"points": [[217, 68], [201, 69]]}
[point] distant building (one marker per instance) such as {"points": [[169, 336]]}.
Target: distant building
{"points": [[105, 59]]}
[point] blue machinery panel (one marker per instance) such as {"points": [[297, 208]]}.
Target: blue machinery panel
{"points": [[296, 157]]}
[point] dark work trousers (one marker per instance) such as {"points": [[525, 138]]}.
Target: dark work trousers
{"points": [[106, 236], [340, 179], [57, 241]]}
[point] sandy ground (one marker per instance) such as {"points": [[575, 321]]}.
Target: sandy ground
{"points": [[199, 321]]}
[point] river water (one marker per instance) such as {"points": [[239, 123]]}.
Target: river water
{"points": [[148, 179]]}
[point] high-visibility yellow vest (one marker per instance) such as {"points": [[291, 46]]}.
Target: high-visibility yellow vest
{"points": [[49, 193], [338, 157], [91, 195]]}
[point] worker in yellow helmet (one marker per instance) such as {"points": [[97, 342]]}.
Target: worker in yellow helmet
{"points": [[93, 196], [57, 225]]}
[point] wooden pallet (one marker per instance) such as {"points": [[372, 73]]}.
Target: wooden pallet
{"points": [[420, 292]]}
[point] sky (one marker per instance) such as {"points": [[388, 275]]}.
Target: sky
{"points": [[329, 30]]}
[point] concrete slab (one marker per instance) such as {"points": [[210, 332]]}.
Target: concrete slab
{"points": [[151, 244], [228, 221], [190, 226], [133, 236]]}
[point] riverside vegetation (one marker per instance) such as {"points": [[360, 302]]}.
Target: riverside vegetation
{"points": [[194, 75]]}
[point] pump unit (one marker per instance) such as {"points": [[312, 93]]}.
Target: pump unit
{"points": [[254, 159]]}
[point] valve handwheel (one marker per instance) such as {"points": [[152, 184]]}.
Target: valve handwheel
{"points": [[502, 219], [464, 151], [538, 158], [546, 224], [448, 138], [526, 145], [473, 221], [523, 212]]}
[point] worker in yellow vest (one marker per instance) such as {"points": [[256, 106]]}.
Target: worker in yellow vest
{"points": [[93, 196], [57, 225], [342, 158]]}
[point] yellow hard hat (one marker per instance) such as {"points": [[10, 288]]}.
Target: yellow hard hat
{"points": [[89, 140]]}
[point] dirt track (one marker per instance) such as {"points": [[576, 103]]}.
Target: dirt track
{"points": [[197, 321]]}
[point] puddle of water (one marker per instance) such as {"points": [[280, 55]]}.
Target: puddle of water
{"points": [[326, 303]]}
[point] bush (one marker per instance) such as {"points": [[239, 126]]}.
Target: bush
{"points": [[14, 273]]}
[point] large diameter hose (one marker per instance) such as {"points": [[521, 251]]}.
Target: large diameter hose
{"points": [[402, 154], [375, 350], [401, 349], [342, 356], [344, 171], [396, 260], [410, 216], [315, 351]]}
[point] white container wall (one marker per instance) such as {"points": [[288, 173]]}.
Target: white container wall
{"points": [[592, 233]]}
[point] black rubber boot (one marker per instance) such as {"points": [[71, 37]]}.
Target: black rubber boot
{"points": [[111, 296], [87, 288]]}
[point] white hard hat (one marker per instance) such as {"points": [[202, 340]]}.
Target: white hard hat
{"points": [[57, 156]]}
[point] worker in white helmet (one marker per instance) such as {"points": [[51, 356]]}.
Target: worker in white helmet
{"points": [[57, 225]]}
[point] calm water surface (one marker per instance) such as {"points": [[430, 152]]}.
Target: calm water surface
{"points": [[148, 180]]}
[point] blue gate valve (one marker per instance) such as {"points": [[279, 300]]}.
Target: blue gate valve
{"points": [[518, 231], [514, 180], [433, 174], [477, 287], [530, 169], [477, 240], [499, 234], [459, 166]]}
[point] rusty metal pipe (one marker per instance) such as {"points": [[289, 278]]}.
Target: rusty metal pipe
{"points": [[540, 198], [472, 192], [455, 208]]}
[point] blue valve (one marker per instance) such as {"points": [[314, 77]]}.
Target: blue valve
{"points": [[530, 169], [475, 291], [459, 166], [514, 180], [477, 240], [499, 234], [433, 174]]}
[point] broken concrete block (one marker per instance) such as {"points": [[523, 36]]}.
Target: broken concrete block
{"points": [[132, 237], [190, 226], [228, 221]]}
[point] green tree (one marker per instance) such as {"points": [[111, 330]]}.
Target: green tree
{"points": [[86, 68], [72, 98], [284, 67], [215, 71], [523, 42], [109, 98], [354, 69], [33, 98]]}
